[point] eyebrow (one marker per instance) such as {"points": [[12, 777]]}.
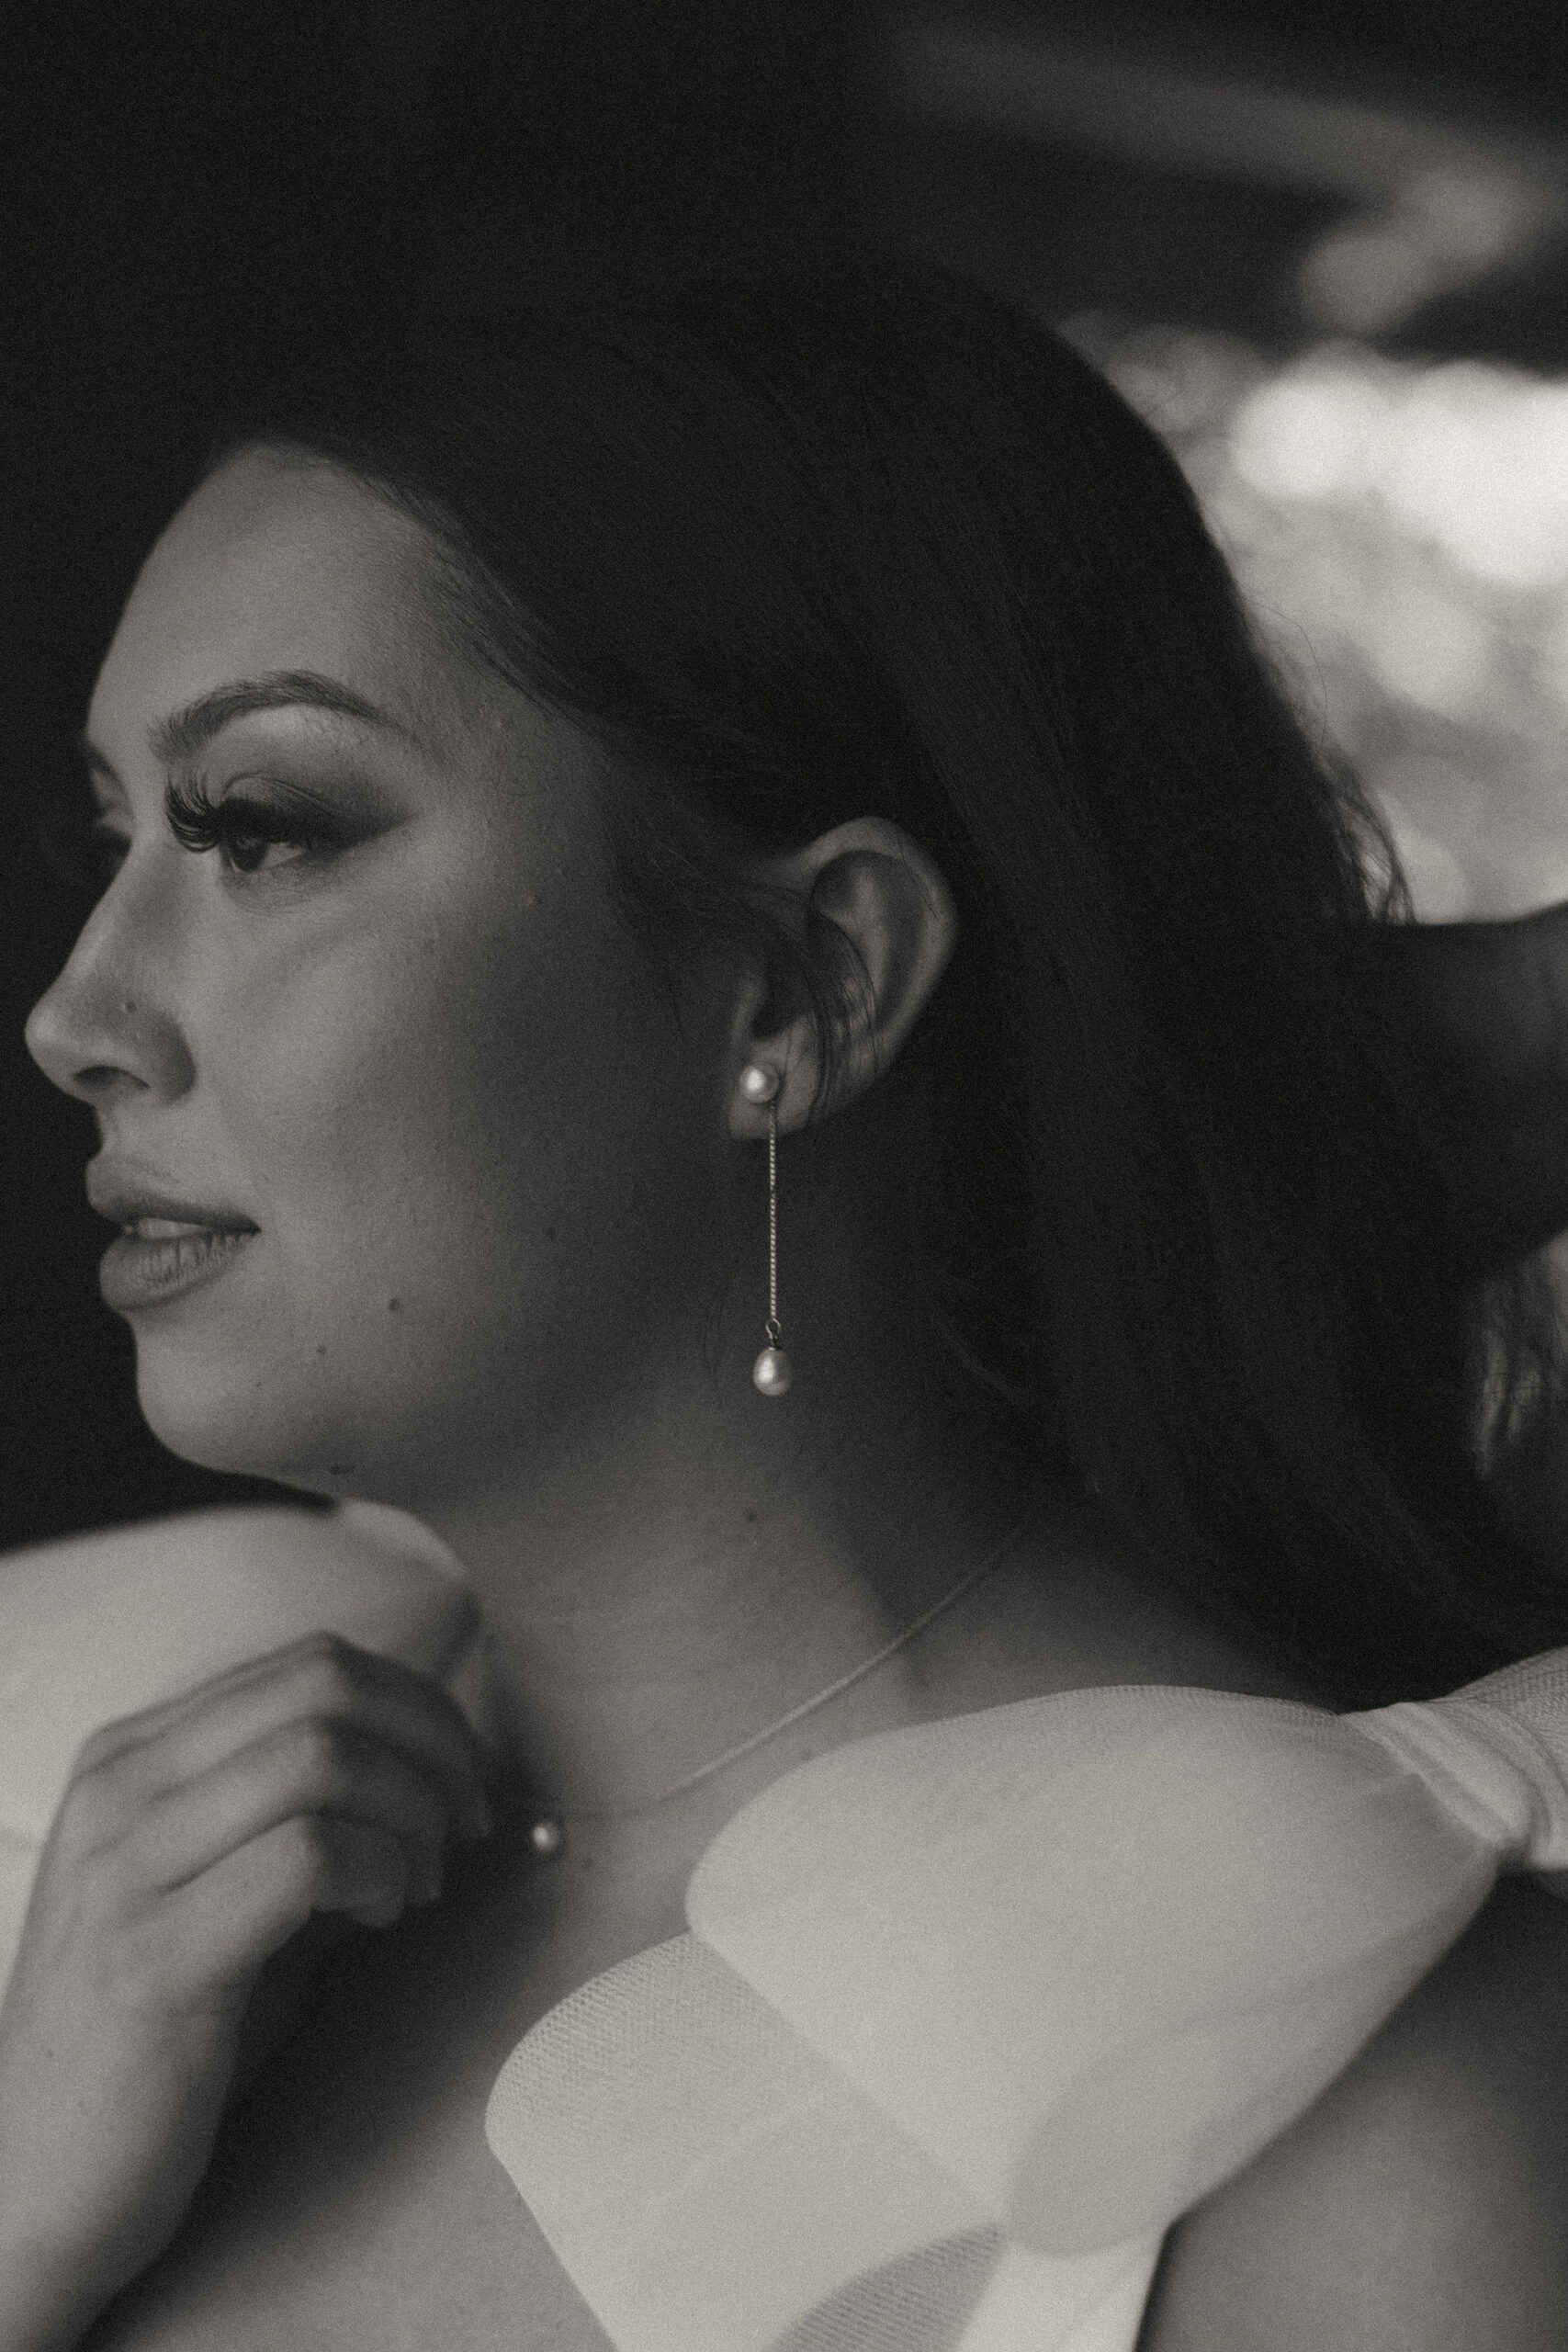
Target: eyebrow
{"points": [[189, 731]]}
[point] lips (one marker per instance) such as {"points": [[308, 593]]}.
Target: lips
{"points": [[175, 1228], [143, 1270], [167, 1245]]}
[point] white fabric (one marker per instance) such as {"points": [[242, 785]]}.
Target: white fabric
{"points": [[98, 1627], [971, 2011], [967, 2014]]}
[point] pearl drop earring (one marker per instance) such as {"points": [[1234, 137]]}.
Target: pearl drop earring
{"points": [[772, 1371]]}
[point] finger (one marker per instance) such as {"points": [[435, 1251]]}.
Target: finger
{"points": [[311, 1767], [322, 1652], [223, 1926], [142, 1757]]}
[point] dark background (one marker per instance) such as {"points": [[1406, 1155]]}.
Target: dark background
{"points": [[183, 184]]}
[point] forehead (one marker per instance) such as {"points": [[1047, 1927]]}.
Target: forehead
{"points": [[276, 564]]}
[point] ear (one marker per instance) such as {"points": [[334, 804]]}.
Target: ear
{"points": [[890, 901]]}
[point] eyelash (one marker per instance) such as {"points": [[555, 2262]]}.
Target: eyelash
{"points": [[84, 850], [198, 823]]}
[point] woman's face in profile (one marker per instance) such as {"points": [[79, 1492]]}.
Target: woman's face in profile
{"points": [[391, 1021]]}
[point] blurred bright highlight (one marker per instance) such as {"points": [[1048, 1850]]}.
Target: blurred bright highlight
{"points": [[1470, 456]]}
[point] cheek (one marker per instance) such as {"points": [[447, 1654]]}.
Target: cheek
{"points": [[479, 1158]]}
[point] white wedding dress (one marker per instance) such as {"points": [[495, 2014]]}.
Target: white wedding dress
{"points": [[968, 2012]]}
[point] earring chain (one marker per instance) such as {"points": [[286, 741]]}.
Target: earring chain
{"points": [[773, 1324]]}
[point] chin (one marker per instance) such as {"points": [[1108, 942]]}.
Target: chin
{"points": [[246, 1422], [285, 1422]]}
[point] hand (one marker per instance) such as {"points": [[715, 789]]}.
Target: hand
{"points": [[193, 1842]]}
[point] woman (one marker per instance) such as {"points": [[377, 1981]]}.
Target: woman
{"points": [[547, 773]]}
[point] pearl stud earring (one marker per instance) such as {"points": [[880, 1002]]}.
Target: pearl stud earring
{"points": [[772, 1371]]}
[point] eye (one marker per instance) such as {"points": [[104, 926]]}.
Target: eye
{"points": [[245, 830]]}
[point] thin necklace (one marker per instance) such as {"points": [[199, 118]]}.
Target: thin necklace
{"points": [[546, 1834]]}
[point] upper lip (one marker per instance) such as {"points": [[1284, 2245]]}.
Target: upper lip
{"points": [[122, 1196]]}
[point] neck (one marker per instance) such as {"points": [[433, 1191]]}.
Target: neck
{"points": [[675, 1562], [690, 1569]]}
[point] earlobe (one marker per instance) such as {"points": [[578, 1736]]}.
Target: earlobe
{"points": [[877, 918]]}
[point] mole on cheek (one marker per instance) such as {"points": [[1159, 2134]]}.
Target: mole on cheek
{"points": [[394, 1307]]}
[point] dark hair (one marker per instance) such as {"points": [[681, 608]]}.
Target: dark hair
{"points": [[869, 540]]}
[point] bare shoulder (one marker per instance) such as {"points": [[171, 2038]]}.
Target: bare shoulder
{"points": [[1422, 2204]]}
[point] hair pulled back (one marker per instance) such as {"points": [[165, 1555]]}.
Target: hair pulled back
{"points": [[868, 540]]}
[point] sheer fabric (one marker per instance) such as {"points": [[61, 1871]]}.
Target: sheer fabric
{"points": [[971, 2011], [967, 2013]]}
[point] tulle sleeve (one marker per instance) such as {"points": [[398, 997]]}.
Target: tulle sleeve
{"points": [[969, 2012]]}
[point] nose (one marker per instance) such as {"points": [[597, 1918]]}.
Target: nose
{"points": [[106, 1030]]}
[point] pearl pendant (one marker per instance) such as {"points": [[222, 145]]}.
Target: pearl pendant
{"points": [[772, 1371], [547, 1837]]}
